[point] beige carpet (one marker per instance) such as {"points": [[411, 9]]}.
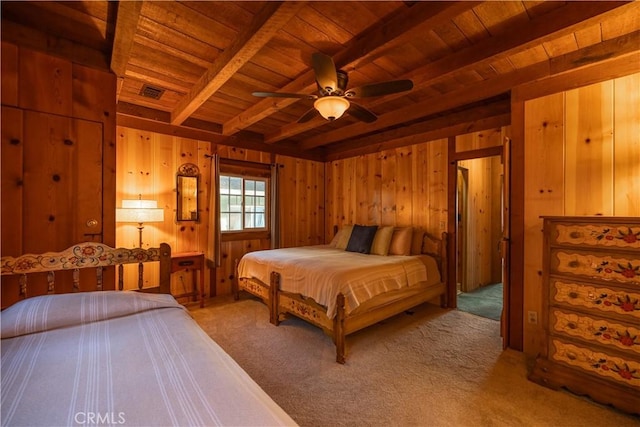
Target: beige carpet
{"points": [[434, 367]]}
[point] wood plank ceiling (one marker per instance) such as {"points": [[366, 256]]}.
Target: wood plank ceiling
{"points": [[206, 59]]}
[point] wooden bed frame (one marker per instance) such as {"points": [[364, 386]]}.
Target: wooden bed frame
{"points": [[281, 303], [89, 255]]}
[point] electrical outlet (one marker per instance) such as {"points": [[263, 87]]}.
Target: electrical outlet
{"points": [[533, 317]]}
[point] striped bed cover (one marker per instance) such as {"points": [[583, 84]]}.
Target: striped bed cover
{"points": [[121, 358], [322, 272]]}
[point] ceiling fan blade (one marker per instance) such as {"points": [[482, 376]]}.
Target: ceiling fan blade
{"points": [[361, 113], [379, 89], [283, 95], [325, 71], [308, 115]]}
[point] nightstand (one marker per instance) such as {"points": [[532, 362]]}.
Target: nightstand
{"points": [[193, 261]]}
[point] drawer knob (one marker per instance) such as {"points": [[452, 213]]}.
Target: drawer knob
{"points": [[185, 263], [573, 295], [572, 325]]}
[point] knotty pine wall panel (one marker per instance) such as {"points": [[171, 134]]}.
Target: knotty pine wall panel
{"points": [[582, 152], [589, 150], [544, 194], [404, 187], [12, 158], [9, 72], [303, 215], [626, 189], [482, 231], [147, 165], [478, 140], [62, 116]]}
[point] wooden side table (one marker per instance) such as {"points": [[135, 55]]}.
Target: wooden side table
{"points": [[190, 261]]}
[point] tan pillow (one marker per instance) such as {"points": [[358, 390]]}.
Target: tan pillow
{"points": [[335, 239], [343, 236], [401, 241], [416, 241], [382, 240]]}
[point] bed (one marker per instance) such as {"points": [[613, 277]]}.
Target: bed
{"points": [[343, 291], [116, 357]]}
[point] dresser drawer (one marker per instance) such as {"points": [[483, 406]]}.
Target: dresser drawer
{"points": [[624, 371], [622, 268], [601, 331], [601, 299], [597, 235]]}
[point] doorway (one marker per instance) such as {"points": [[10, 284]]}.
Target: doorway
{"points": [[479, 232]]}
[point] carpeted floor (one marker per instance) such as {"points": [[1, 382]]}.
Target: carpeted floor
{"points": [[485, 301], [434, 367]]}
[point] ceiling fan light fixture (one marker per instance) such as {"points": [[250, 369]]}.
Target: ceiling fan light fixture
{"points": [[331, 107]]}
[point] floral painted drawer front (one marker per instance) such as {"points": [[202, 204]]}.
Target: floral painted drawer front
{"points": [[603, 267], [601, 331], [600, 298], [599, 235], [621, 370]]}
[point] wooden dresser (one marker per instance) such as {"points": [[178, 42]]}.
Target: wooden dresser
{"points": [[591, 312]]}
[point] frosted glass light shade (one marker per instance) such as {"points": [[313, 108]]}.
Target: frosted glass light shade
{"points": [[140, 211], [331, 107]]}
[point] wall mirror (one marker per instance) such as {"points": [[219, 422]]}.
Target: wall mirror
{"points": [[187, 192]]}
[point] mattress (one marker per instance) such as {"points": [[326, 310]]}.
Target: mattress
{"points": [[121, 358], [322, 272]]}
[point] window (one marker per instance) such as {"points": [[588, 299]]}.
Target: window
{"points": [[243, 202]]}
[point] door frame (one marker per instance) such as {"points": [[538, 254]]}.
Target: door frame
{"points": [[461, 223], [452, 174]]}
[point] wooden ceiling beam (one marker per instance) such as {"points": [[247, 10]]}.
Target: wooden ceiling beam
{"points": [[584, 76], [269, 20], [562, 21], [152, 120], [616, 48], [411, 134], [421, 14], [566, 20], [126, 24], [473, 120]]}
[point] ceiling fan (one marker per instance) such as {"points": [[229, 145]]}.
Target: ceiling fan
{"points": [[333, 98]]}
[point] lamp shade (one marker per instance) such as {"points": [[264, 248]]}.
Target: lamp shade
{"points": [[139, 211], [331, 107]]}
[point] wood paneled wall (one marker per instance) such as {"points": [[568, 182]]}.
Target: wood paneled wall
{"points": [[482, 231], [58, 157], [404, 187], [147, 165], [582, 157]]}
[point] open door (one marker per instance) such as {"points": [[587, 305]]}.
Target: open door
{"points": [[504, 246]]}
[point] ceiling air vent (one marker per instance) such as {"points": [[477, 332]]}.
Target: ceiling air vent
{"points": [[151, 91]]}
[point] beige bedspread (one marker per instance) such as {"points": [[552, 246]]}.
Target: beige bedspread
{"points": [[322, 272], [121, 358]]}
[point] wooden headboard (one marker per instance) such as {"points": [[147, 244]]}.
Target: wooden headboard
{"points": [[89, 255]]}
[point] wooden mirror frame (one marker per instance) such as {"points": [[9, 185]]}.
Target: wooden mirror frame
{"points": [[187, 180]]}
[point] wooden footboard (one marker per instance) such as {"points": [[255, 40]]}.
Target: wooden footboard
{"points": [[281, 303]]}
